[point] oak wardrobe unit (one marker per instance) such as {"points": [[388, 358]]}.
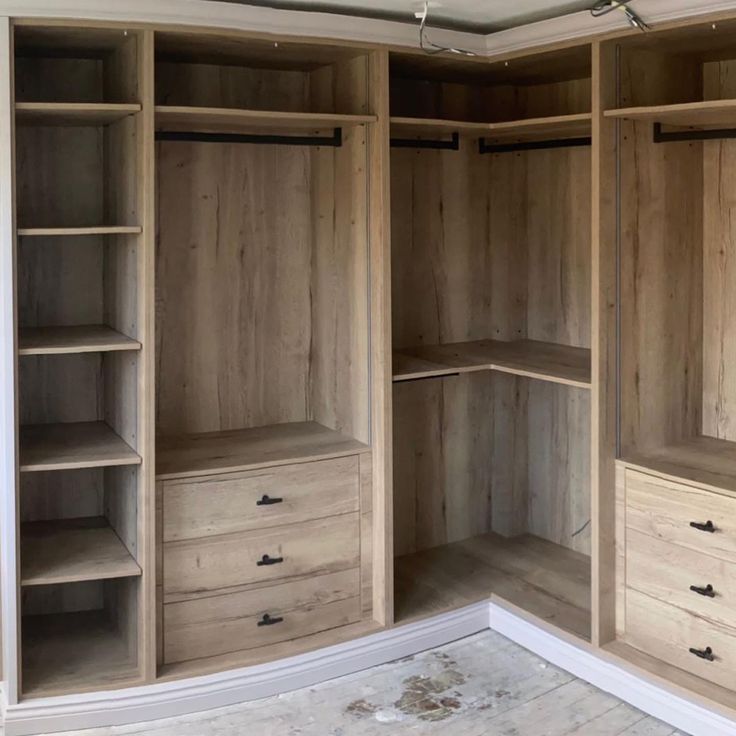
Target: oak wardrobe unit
{"points": [[322, 350]]}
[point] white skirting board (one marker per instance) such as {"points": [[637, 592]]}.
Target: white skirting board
{"points": [[177, 698]]}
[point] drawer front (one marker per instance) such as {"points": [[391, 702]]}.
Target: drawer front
{"points": [[668, 633], [199, 566], [667, 571], [666, 510], [236, 502], [238, 621]]}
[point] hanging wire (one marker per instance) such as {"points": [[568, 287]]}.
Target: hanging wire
{"points": [[432, 48], [607, 6]]}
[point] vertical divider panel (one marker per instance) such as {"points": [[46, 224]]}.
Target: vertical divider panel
{"points": [[604, 359], [9, 569], [146, 373], [381, 373]]}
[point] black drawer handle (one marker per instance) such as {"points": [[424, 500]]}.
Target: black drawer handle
{"points": [[267, 560], [268, 501], [269, 620], [707, 527], [708, 591], [706, 653]]}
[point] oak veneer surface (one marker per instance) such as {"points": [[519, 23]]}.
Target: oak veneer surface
{"points": [[243, 449], [545, 579], [73, 550], [72, 114], [690, 114], [73, 339]]}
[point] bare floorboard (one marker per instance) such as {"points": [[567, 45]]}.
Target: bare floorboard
{"points": [[480, 686]]}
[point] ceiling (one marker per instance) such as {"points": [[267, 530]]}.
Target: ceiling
{"points": [[479, 16]]}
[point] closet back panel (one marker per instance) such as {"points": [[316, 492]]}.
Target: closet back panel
{"points": [[262, 307]]}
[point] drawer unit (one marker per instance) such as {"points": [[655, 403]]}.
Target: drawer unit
{"points": [[235, 502], [220, 624], [200, 566], [692, 643], [699, 583], [700, 520]]}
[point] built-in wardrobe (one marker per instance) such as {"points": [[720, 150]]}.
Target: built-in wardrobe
{"points": [[315, 344]]}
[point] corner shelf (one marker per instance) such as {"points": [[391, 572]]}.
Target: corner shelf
{"points": [[72, 551], [228, 120], [73, 445], [72, 114], [64, 340], [59, 232], [687, 114], [245, 449], [531, 358]]}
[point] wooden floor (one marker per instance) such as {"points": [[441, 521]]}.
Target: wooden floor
{"points": [[550, 581], [480, 686]]}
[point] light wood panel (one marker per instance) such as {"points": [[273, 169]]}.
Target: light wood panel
{"points": [[690, 114], [545, 579], [280, 444], [61, 232], [76, 339], [72, 114], [74, 445], [71, 551]]}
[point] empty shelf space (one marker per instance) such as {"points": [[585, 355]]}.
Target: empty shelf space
{"points": [[692, 114], [545, 579], [704, 460], [75, 652], [241, 449], [226, 120], [427, 126], [73, 550], [60, 232], [73, 339], [74, 445], [531, 358], [75, 114]]}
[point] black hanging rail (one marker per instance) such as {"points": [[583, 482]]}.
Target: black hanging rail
{"points": [[442, 145], [671, 136], [484, 147], [335, 140]]}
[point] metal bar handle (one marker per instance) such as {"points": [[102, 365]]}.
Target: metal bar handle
{"points": [[707, 591], [706, 654], [707, 527]]}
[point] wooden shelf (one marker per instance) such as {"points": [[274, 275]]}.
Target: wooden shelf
{"points": [[75, 652], [74, 339], [73, 114], [60, 232], [558, 126], [243, 449], [73, 445], [534, 359], [690, 114], [71, 551], [545, 579], [226, 120], [703, 460]]}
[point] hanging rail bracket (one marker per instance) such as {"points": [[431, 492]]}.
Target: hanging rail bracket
{"points": [[335, 140], [484, 147], [672, 136], [442, 145]]}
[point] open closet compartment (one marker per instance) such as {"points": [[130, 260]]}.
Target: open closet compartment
{"points": [[262, 264], [78, 132], [678, 382], [491, 280]]}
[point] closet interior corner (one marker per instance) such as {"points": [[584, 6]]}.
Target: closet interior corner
{"points": [[491, 273]]}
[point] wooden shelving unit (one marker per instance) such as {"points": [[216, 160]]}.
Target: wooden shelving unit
{"points": [[60, 232], [247, 449], [72, 114], [688, 114], [64, 340], [72, 551], [225, 120], [72, 445], [544, 361]]}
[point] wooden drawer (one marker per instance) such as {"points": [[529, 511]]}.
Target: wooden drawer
{"points": [[668, 633], [665, 510], [199, 566], [234, 502], [666, 571], [225, 623]]}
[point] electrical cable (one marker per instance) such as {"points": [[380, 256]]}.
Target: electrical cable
{"points": [[432, 48], [607, 6]]}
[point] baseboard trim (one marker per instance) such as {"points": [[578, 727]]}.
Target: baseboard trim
{"points": [[176, 698], [611, 674]]}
